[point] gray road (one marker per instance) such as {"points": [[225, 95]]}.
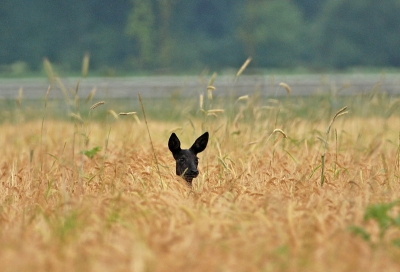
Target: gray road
{"points": [[165, 86]]}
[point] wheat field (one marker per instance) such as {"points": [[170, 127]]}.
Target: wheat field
{"points": [[97, 194]]}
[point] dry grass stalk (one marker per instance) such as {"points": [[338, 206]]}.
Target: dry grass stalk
{"points": [[212, 79], [210, 90], [64, 90], [201, 98], [91, 95], [85, 64], [277, 130], [245, 64], [42, 130], [113, 114], [132, 113], [397, 163], [127, 113], [286, 87], [49, 70], [216, 111], [97, 105], [340, 112], [151, 141], [243, 98], [19, 97], [76, 117], [210, 87]]}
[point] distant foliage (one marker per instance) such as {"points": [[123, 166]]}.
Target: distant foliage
{"points": [[359, 32], [188, 35], [271, 31]]}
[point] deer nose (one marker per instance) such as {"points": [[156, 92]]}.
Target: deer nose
{"points": [[193, 172]]}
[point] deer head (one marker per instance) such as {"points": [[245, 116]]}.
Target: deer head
{"points": [[186, 159]]}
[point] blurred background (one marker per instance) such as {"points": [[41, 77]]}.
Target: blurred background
{"points": [[187, 36]]}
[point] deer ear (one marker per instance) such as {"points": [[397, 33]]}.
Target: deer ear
{"points": [[174, 144], [200, 144]]}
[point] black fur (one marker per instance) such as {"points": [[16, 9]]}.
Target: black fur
{"points": [[186, 159]]}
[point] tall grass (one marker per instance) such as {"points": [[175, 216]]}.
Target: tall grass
{"points": [[257, 205]]}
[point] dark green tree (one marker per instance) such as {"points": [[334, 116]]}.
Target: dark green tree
{"points": [[205, 34], [183, 35], [141, 27], [271, 32], [62, 31], [358, 33], [310, 8]]}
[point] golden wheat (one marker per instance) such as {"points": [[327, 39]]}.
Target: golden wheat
{"points": [[286, 86], [250, 209], [244, 66], [95, 105]]}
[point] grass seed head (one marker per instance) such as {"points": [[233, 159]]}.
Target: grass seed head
{"points": [[49, 70], [113, 113], [277, 130], [132, 113], [286, 86], [243, 97], [201, 101], [245, 64], [76, 116], [91, 95], [210, 89], [340, 112], [127, 113], [19, 97], [212, 79], [85, 64], [97, 105], [216, 111]]}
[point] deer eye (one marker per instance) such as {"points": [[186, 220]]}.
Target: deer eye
{"points": [[181, 160]]}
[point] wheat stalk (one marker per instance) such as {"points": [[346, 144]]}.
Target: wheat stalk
{"points": [[397, 163], [245, 64], [340, 112], [286, 87], [97, 105], [210, 87], [19, 97], [201, 100], [151, 142], [91, 95], [85, 64], [49, 70], [128, 113], [132, 113], [42, 130]]}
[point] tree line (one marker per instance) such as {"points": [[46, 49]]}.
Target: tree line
{"points": [[188, 35]]}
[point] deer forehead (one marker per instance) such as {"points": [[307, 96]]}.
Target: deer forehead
{"points": [[186, 154]]}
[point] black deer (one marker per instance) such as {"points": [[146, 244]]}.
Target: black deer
{"points": [[186, 159]]}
